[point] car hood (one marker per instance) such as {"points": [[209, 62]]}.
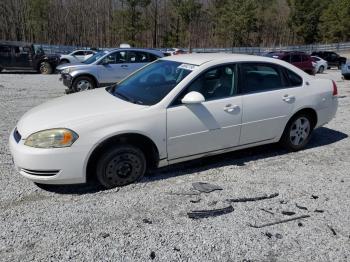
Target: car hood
{"points": [[64, 66], [73, 110]]}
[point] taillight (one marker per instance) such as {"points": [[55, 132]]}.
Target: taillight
{"points": [[335, 88]]}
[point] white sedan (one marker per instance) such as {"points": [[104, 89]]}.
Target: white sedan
{"points": [[76, 56], [320, 64], [175, 109]]}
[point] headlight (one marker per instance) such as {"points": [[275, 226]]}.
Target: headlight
{"points": [[52, 138], [68, 70]]}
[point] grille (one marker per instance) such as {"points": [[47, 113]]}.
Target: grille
{"points": [[40, 172], [17, 135]]}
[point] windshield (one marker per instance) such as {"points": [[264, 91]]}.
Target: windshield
{"points": [[152, 83], [38, 50], [95, 57]]}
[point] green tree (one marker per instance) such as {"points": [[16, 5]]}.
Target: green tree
{"points": [[235, 20], [334, 26], [305, 18]]}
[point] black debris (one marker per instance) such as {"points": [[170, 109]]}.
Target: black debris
{"points": [[283, 202], [152, 255], [267, 211], [176, 249], [147, 221], [209, 213], [319, 211], [268, 234], [212, 203], [314, 196], [288, 213], [342, 180], [278, 236], [190, 193], [197, 200], [300, 224], [300, 207], [332, 229], [104, 235], [205, 187], [249, 199], [279, 222]]}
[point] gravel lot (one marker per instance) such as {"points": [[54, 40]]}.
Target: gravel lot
{"points": [[144, 221]]}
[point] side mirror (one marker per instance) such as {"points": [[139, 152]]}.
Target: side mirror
{"points": [[105, 62], [193, 98]]}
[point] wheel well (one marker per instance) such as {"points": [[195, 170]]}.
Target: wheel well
{"points": [[65, 60], [144, 143], [87, 75], [311, 112]]}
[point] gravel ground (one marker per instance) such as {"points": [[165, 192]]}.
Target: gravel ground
{"points": [[144, 221]]}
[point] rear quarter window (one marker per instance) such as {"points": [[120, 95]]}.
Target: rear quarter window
{"points": [[294, 79]]}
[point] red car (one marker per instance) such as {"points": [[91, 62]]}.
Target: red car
{"points": [[298, 59]]}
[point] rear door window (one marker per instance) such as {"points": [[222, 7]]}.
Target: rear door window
{"points": [[260, 77], [294, 79], [295, 58]]}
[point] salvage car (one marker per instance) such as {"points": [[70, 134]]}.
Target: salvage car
{"points": [[298, 59], [320, 64], [76, 56], [333, 59], [345, 71], [108, 69], [175, 109], [26, 56]]}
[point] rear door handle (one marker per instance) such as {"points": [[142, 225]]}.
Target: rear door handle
{"points": [[288, 98], [230, 108], [124, 66]]}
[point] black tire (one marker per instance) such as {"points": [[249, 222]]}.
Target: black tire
{"points": [[296, 137], [83, 83], [321, 70], [347, 77], [120, 166], [1, 69], [45, 68], [340, 66]]}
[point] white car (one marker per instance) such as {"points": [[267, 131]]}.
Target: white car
{"points": [[175, 109], [320, 64], [76, 56]]}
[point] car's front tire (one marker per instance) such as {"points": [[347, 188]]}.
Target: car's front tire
{"points": [[297, 132], [45, 68], [120, 166], [83, 83]]}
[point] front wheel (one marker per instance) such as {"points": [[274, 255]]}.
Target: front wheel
{"points": [[297, 132], [45, 68], [83, 83], [120, 166]]}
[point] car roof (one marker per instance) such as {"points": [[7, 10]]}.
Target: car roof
{"points": [[149, 50], [202, 58]]}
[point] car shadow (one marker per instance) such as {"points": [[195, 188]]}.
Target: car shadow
{"points": [[322, 137]]}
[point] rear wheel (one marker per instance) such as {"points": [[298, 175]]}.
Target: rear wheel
{"points": [[45, 68], [297, 132], [120, 166], [83, 83], [321, 70]]}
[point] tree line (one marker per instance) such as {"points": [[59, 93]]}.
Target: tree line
{"points": [[175, 23]]}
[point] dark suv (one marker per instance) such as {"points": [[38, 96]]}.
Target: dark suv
{"points": [[26, 56], [332, 58], [298, 59]]}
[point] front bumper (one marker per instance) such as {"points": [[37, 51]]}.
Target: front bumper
{"points": [[49, 166], [67, 80]]}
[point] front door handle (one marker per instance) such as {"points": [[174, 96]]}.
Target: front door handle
{"points": [[231, 108], [124, 66], [288, 98]]}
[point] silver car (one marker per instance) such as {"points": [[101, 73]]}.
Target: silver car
{"points": [[345, 71], [106, 68]]}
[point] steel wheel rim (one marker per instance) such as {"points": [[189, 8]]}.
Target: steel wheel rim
{"points": [[126, 167], [83, 85], [44, 69], [299, 131]]}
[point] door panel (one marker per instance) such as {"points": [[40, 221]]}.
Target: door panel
{"points": [[212, 125], [115, 70], [266, 100], [200, 128]]}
